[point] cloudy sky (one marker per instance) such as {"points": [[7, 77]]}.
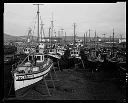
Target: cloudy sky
{"points": [[102, 17]]}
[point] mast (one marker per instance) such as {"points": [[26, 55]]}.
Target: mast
{"points": [[113, 42], [121, 38], [74, 33], [50, 37], [95, 39], [51, 29], [65, 38], [41, 29], [104, 37], [84, 38], [38, 22], [89, 36], [59, 36], [62, 32]]}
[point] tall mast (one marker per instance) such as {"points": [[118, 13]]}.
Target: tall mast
{"points": [[89, 36], [62, 32], [51, 28], [95, 39], [38, 21], [113, 41], [59, 36], [104, 37], [41, 29], [120, 37], [84, 38], [74, 33], [65, 38], [50, 37]]}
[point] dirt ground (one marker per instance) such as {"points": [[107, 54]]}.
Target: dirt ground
{"points": [[77, 85]]}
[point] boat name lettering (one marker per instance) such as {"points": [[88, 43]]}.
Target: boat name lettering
{"points": [[29, 76]]}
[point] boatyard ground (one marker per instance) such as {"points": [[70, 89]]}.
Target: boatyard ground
{"points": [[71, 85]]}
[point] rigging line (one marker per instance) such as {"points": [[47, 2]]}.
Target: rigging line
{"points": [[34, 18], [42, 27], [34, 25]]}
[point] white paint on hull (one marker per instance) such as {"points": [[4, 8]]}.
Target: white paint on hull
{"points": [[24, 83]]}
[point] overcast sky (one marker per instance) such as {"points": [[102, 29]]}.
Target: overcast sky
{"points": [[103, 17]]}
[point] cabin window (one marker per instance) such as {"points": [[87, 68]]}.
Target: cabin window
{"points": [[38, 57], [71, 52], [42, 57], [30, 57]]}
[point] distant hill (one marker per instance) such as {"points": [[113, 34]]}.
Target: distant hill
{"points": [[8, 37]]}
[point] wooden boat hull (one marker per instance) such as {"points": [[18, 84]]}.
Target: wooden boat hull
{"points": [[22, 84]]}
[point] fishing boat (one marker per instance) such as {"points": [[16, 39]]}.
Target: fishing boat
{"points": [[75, 51], [31, 70]]}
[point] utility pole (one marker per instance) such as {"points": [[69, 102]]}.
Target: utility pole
{"points": [[38, 22]]}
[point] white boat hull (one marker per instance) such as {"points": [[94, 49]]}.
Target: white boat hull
{"points": [[33, 78]]}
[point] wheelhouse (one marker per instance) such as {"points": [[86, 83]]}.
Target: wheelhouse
{"points": [[39, 58]]}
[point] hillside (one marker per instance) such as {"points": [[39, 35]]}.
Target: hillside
{"points": [[23, 38], [11, 38]]}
